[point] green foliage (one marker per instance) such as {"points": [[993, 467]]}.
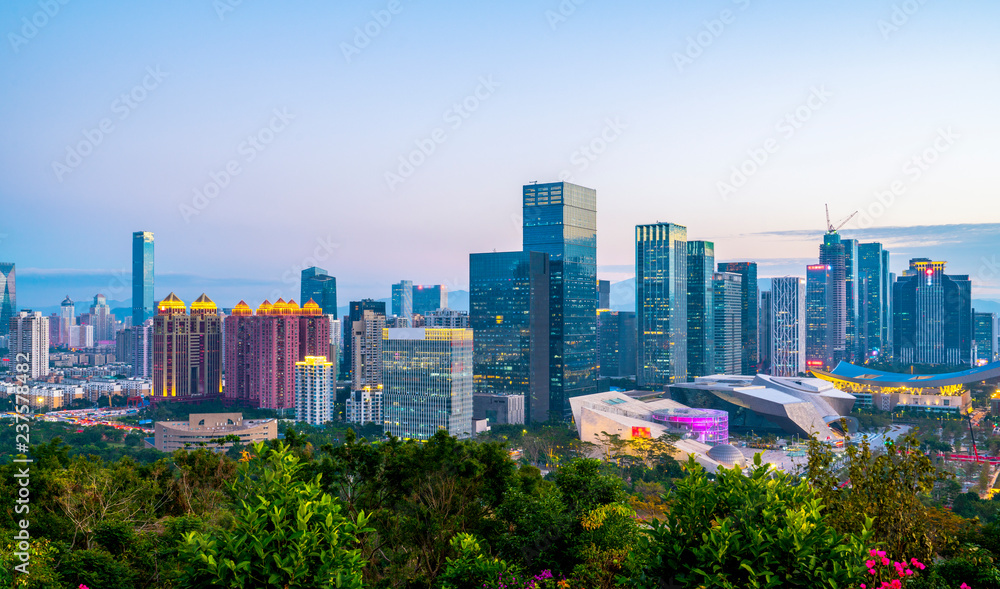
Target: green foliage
{"points": [[288, 534], [43, 569], [756, 530], [471, 568]]}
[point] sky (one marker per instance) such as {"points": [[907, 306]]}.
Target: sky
{"points": [[387, 139]]}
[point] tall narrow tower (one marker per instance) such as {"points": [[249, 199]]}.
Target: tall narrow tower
{"points": [[142, 277]]}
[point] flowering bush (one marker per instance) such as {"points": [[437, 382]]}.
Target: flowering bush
{"points": [[889, 573]]}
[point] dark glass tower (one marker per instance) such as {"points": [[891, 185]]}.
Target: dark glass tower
{"points": [[748, 312], [661, 279], [833, 253], [509, 315], [700, 311], [402, 299], [986, 337], [429, 298], [321, 288], [8, 297], [356, 313], [820, 290], [143, 306], [875, 292], [560, 219], [853, 330], [728, 316], [616, 339], [932, 315]]}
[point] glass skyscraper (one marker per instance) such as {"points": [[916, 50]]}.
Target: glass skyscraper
{"points": [[853, 330], [661, 279], [820, 338], [932, 315], [429, 298], [402, 299], [700, 311], [509, 315], [143, 306], [321, 288], [560, 219], [748, 313], [787, 318], [986, 337], [8, 297], [728, 316], [875, 295]]}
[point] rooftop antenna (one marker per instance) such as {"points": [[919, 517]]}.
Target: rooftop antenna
{"points": [[829, 226]]}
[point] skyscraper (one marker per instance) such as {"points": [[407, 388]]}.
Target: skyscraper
{"points": [[142, 349], [187, 349], [428, 382], [748, 312], [402, 299], [986, 337], [700, 309], [102, 319], [143, 306], [932, 315], [661, 280], [560, 219], [357, 308], [366, 351], [509, 314], [603, 294], [29, 336], [319, 286], [315, 390], [728, 316], [833, 253], [616, 340], [821, 290], [8, 297], [67, 319], [875, 294], [764, 331], [429, 298], [853, 329], [787, 313]]}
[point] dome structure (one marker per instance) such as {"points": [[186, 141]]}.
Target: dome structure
{"points": [[727, 455], [171, 304]]}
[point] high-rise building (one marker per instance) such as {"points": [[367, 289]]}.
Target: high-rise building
{"points": [[187, 349], [875, 295], [616, 341], [509, 314], [357, 308], [986, 337], [428, 382], [142, 277], [320, 287], [366, 351], [833, 253], [102, 320], [700, 309], [748, 314], [429, 298], [8, 297], [364, 406], [448, 318], [29, 336], [81, 336], [142, 349], [764, 331], [67, 319], [402, 299], [727, 300], [787, 317], [560, 219], [661, 278], [603, 294], [932, 315], [853, 330], [125, 345], [315, 390], [821, 290]]}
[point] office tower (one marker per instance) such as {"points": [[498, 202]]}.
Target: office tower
{"points": [[700, 309], [748, 316], [560, 219], [336, 342], [187, 352], [402, 299], [429, 298], [55, 325], [366, 350], [986, 337], [603, 294], [354, 314], [764, 331], [616, 339], [727, 300], [67, 319], [875, 290], [428, 382], [102, 319], [853, 330], [142, 277], [205, 347], [142, 349], [81, 336], [315, 390], [833, 253], [29, 335], [125, 345], [932, 315], [509, 314], [319, 286], [820, 317], [8, 297], [447, 318], [661, 279], [787, 313]]}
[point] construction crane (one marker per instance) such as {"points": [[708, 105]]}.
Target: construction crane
{"points": [[829, 226]]}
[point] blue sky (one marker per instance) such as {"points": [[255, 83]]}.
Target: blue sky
{"points": [[657, 106]]}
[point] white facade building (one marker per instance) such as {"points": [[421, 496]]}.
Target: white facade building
{"points": [[788, 326], [315, 390], [29, 335]]}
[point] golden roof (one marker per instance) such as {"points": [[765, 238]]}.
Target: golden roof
{"points": [[171, 304]]}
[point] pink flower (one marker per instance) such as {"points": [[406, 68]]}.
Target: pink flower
{"points": [[872, 552], [896, 584], [871, 571], [881, 553], [870, 564], [863, 586], [885, 561], [964, 586], [909, 572]]}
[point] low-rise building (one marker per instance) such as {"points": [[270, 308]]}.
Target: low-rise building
{"points": [[498, 409], [202, 428]]}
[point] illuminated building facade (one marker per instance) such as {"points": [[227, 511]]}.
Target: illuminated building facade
{"points": [[560, 219], [932, 315], [186, 349], [616, 339], [701, 347], [142, 277], [853, 328], [509, 313], [727, 300], [821, 333], [356, 310], [320, 287], [315, 390], [787, 319], [986, 337], [428, 382], [748, 312], [875, 301], [366, 351], [29, 334], [661, 284], [8, 297], [708, 426]]}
